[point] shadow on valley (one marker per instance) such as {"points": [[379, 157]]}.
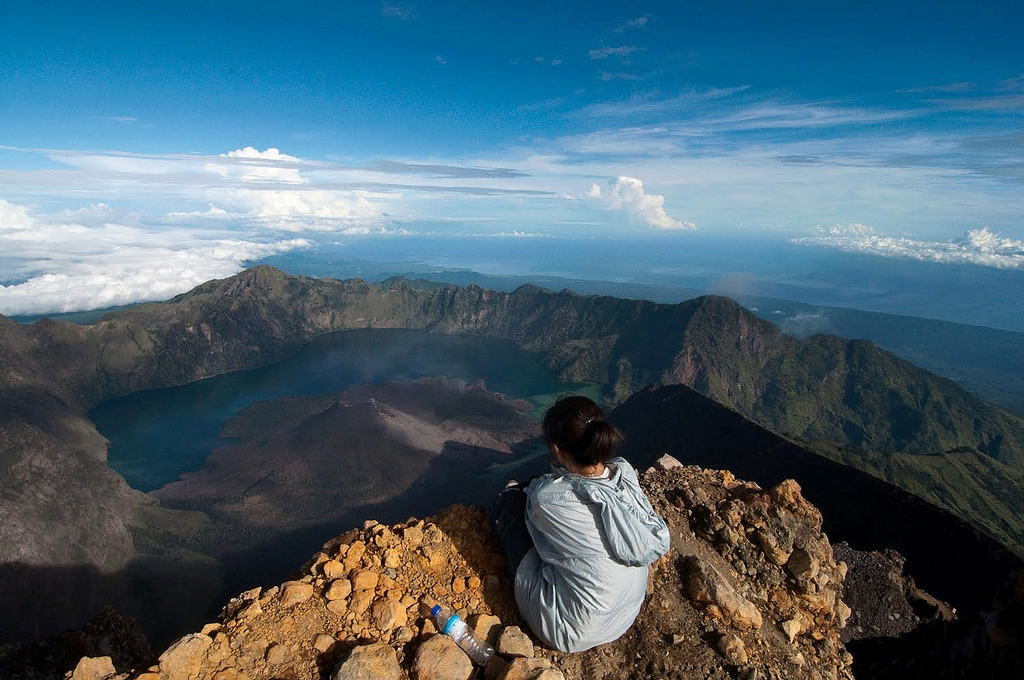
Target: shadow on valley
{"points": [[176, 593], [948, 557]]}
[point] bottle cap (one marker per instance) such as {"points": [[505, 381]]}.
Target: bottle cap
{"points": [[435, 610]]}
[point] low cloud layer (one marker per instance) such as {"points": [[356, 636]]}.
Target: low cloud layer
{"points": [[627, 194], [980, 246], [95, 258]]}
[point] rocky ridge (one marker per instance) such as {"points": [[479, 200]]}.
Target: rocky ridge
{"points": [[750, 588]]}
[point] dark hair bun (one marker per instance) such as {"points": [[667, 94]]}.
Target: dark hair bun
{"points": [[577, 426]]}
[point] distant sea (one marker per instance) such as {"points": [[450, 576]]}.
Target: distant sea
{"points": [[673, 267]]}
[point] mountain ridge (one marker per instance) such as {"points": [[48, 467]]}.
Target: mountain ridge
{"points": [[710, 343]]}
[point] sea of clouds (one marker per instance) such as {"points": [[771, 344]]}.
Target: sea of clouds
{"points": [[978, 246]]}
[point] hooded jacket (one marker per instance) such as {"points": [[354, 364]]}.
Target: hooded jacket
{"points": [[583, 583]]}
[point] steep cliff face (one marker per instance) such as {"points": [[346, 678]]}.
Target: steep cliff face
{"points": [[749, 588]]}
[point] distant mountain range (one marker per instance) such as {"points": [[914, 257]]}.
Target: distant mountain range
{"points": [[61, 506]]}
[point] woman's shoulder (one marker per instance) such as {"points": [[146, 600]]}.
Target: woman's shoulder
{"points": [[623, 466]]}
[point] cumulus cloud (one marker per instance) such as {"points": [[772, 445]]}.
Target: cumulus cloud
{"points": [[13, 216], [252, 165], [627, 194], [90, 259], [313, 210], [979, 246]]}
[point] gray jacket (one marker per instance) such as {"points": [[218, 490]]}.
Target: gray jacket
{"points": [[584, 581]]}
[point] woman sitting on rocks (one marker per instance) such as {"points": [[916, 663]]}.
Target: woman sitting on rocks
{"points": [[579, 539]]}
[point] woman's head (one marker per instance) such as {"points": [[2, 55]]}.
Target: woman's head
{"points": [[576, 426]]}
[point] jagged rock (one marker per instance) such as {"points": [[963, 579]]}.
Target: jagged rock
{"points": [[226, 674], [531, 669], [333, 569], [278, 654], [514, 642], [94, 668], [704, 583], [370, 662], [294, 592], [439, 658], [250, 610], [791, 628], [788, 495], [667, 462], [323, 643], [338, 590], [185, 657], [360, 601], [364, 580], [495, 668], [732, 648], [486, 627], [802, 565], [769, 544], [387, 614]]}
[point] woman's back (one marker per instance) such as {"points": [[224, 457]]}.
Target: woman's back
{"points": [[585, 582]]}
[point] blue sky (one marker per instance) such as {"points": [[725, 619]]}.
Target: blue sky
{"points": [[148, 146]]}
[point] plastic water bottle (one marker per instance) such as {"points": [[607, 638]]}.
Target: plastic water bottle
{"points": [[451, 625]]}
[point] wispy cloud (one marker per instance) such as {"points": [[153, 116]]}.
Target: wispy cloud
{"points": [[627, 194], [980, 246], [656, 105], [448, 171], [639, 22], [958, 87], [397, 10], [608, 76], [620, 51]]}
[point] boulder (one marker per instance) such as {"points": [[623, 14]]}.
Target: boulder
{"points": [[439, 658], [370, 662]]}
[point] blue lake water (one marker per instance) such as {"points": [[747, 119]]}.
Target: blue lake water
{"points": [[159, 434]]}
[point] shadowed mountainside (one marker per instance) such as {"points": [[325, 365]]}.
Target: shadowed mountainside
{"points": [[948, 556]]}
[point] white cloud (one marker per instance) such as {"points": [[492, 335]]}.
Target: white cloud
{"points": [[91, 258], [803, 324], [627, 194], [621, 51], [639, 22], [979, 246], [13, 216], [315, 209], [254, 165]]}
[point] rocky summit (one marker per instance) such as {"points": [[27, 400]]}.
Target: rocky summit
{"points": [[749, 589]]}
